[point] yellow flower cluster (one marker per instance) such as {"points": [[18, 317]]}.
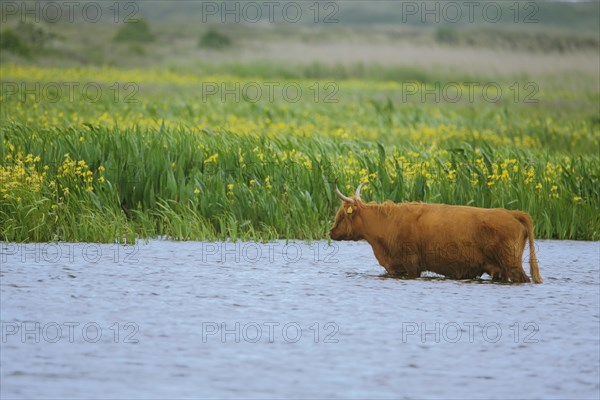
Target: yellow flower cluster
{"points": [[20, 174], [77, 174], [24, 175]]}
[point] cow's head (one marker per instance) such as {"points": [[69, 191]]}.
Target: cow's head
{"points": [[348, 220]]}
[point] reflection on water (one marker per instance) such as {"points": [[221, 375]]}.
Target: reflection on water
{"points": [[189, 319]]}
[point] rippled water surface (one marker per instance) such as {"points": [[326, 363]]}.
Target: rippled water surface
{"points": [[190, 319]]}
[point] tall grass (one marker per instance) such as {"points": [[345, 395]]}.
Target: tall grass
{"points": [[176, 165], [182, 185]]}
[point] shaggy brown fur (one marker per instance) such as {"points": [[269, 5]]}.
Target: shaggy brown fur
{"points": [[456, 241]]}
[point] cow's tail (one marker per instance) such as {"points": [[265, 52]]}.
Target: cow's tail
{"points": [[534, 269]]}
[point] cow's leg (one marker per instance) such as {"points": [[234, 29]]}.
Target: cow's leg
{"points": [[457, 273], [473, 274], [469, 271], [413, 274], [395, 270], [518, 275], [501, 274], [399, 270], [493, 271], [411, 265]]}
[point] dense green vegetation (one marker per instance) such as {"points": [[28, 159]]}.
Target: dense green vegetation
{"points": [[240, 130], [179, 160]]}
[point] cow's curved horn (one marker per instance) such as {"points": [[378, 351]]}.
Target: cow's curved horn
{"points": [[341, 196], [358, 191]]}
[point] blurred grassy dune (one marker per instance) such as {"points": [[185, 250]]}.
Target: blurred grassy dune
{"points": [[564, 40]]}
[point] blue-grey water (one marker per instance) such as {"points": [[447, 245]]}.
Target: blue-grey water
{"points": [[214, 320]]}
